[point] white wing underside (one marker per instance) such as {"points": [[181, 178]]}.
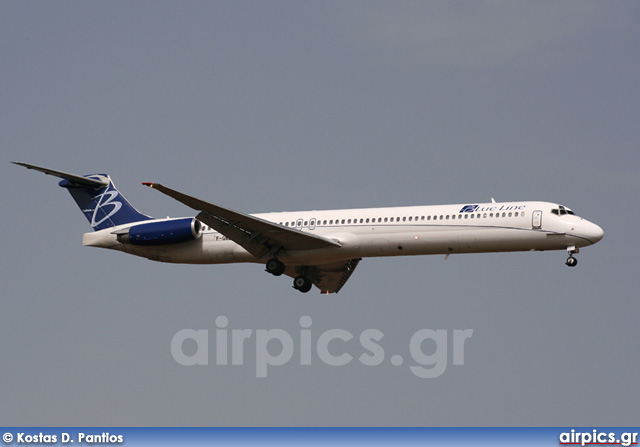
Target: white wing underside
{"points": [[329, 278]]}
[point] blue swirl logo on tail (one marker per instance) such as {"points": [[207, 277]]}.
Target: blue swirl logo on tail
{"points": [[109, 202], [103, 207]]}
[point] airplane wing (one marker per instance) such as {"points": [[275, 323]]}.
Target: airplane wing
{"points": [[329, 278], [258, 236]]}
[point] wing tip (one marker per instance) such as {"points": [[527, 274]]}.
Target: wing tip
{"points": [[149, 184]]}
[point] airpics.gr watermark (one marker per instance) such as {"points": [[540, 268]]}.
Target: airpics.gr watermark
{"points": [[277, 347]]}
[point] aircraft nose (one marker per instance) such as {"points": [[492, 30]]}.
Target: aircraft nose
{"points": [[593, 232]]}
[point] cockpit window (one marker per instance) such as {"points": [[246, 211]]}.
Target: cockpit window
{"points": [[561, 210]]}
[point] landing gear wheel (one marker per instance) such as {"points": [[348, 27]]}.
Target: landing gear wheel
{"points": [[571, 261], [302, 283], [275, 267]]}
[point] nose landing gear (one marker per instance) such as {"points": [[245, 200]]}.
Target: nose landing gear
{"points": [[571, 261]]}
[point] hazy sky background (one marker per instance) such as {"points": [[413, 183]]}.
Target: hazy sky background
{"points": [[269, 106]]}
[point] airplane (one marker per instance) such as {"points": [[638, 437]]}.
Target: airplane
{"points": [[319, 248]]}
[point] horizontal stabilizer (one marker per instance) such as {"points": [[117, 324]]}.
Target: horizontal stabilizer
{"points": [[77, 179]]}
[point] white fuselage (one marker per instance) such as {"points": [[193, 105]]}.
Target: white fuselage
{"points": [[397, 231]]}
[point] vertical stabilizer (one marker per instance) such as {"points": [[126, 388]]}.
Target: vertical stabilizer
{"points": [[98, 199]]}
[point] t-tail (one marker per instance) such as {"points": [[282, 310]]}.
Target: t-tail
{"points": [[98, 199]]}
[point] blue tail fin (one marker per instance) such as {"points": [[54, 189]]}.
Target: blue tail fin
{"points": [[98, 199], [104, 206]]}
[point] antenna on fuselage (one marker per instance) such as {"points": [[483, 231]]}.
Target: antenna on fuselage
{"points": [[493, 200]]}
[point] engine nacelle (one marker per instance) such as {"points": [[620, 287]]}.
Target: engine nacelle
{"points": [[162, 233]]}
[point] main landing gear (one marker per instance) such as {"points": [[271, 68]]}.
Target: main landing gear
{"points": [[276, 268], [571, 261], [302, 283]]}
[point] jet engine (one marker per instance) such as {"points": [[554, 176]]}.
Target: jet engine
{"points": [[162, 233]]}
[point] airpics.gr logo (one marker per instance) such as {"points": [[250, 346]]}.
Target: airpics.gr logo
{"points": [[478, 208]]}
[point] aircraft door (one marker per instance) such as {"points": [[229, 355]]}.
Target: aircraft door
{"points": [[299, 224], [312, 224], [536, 220]]}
